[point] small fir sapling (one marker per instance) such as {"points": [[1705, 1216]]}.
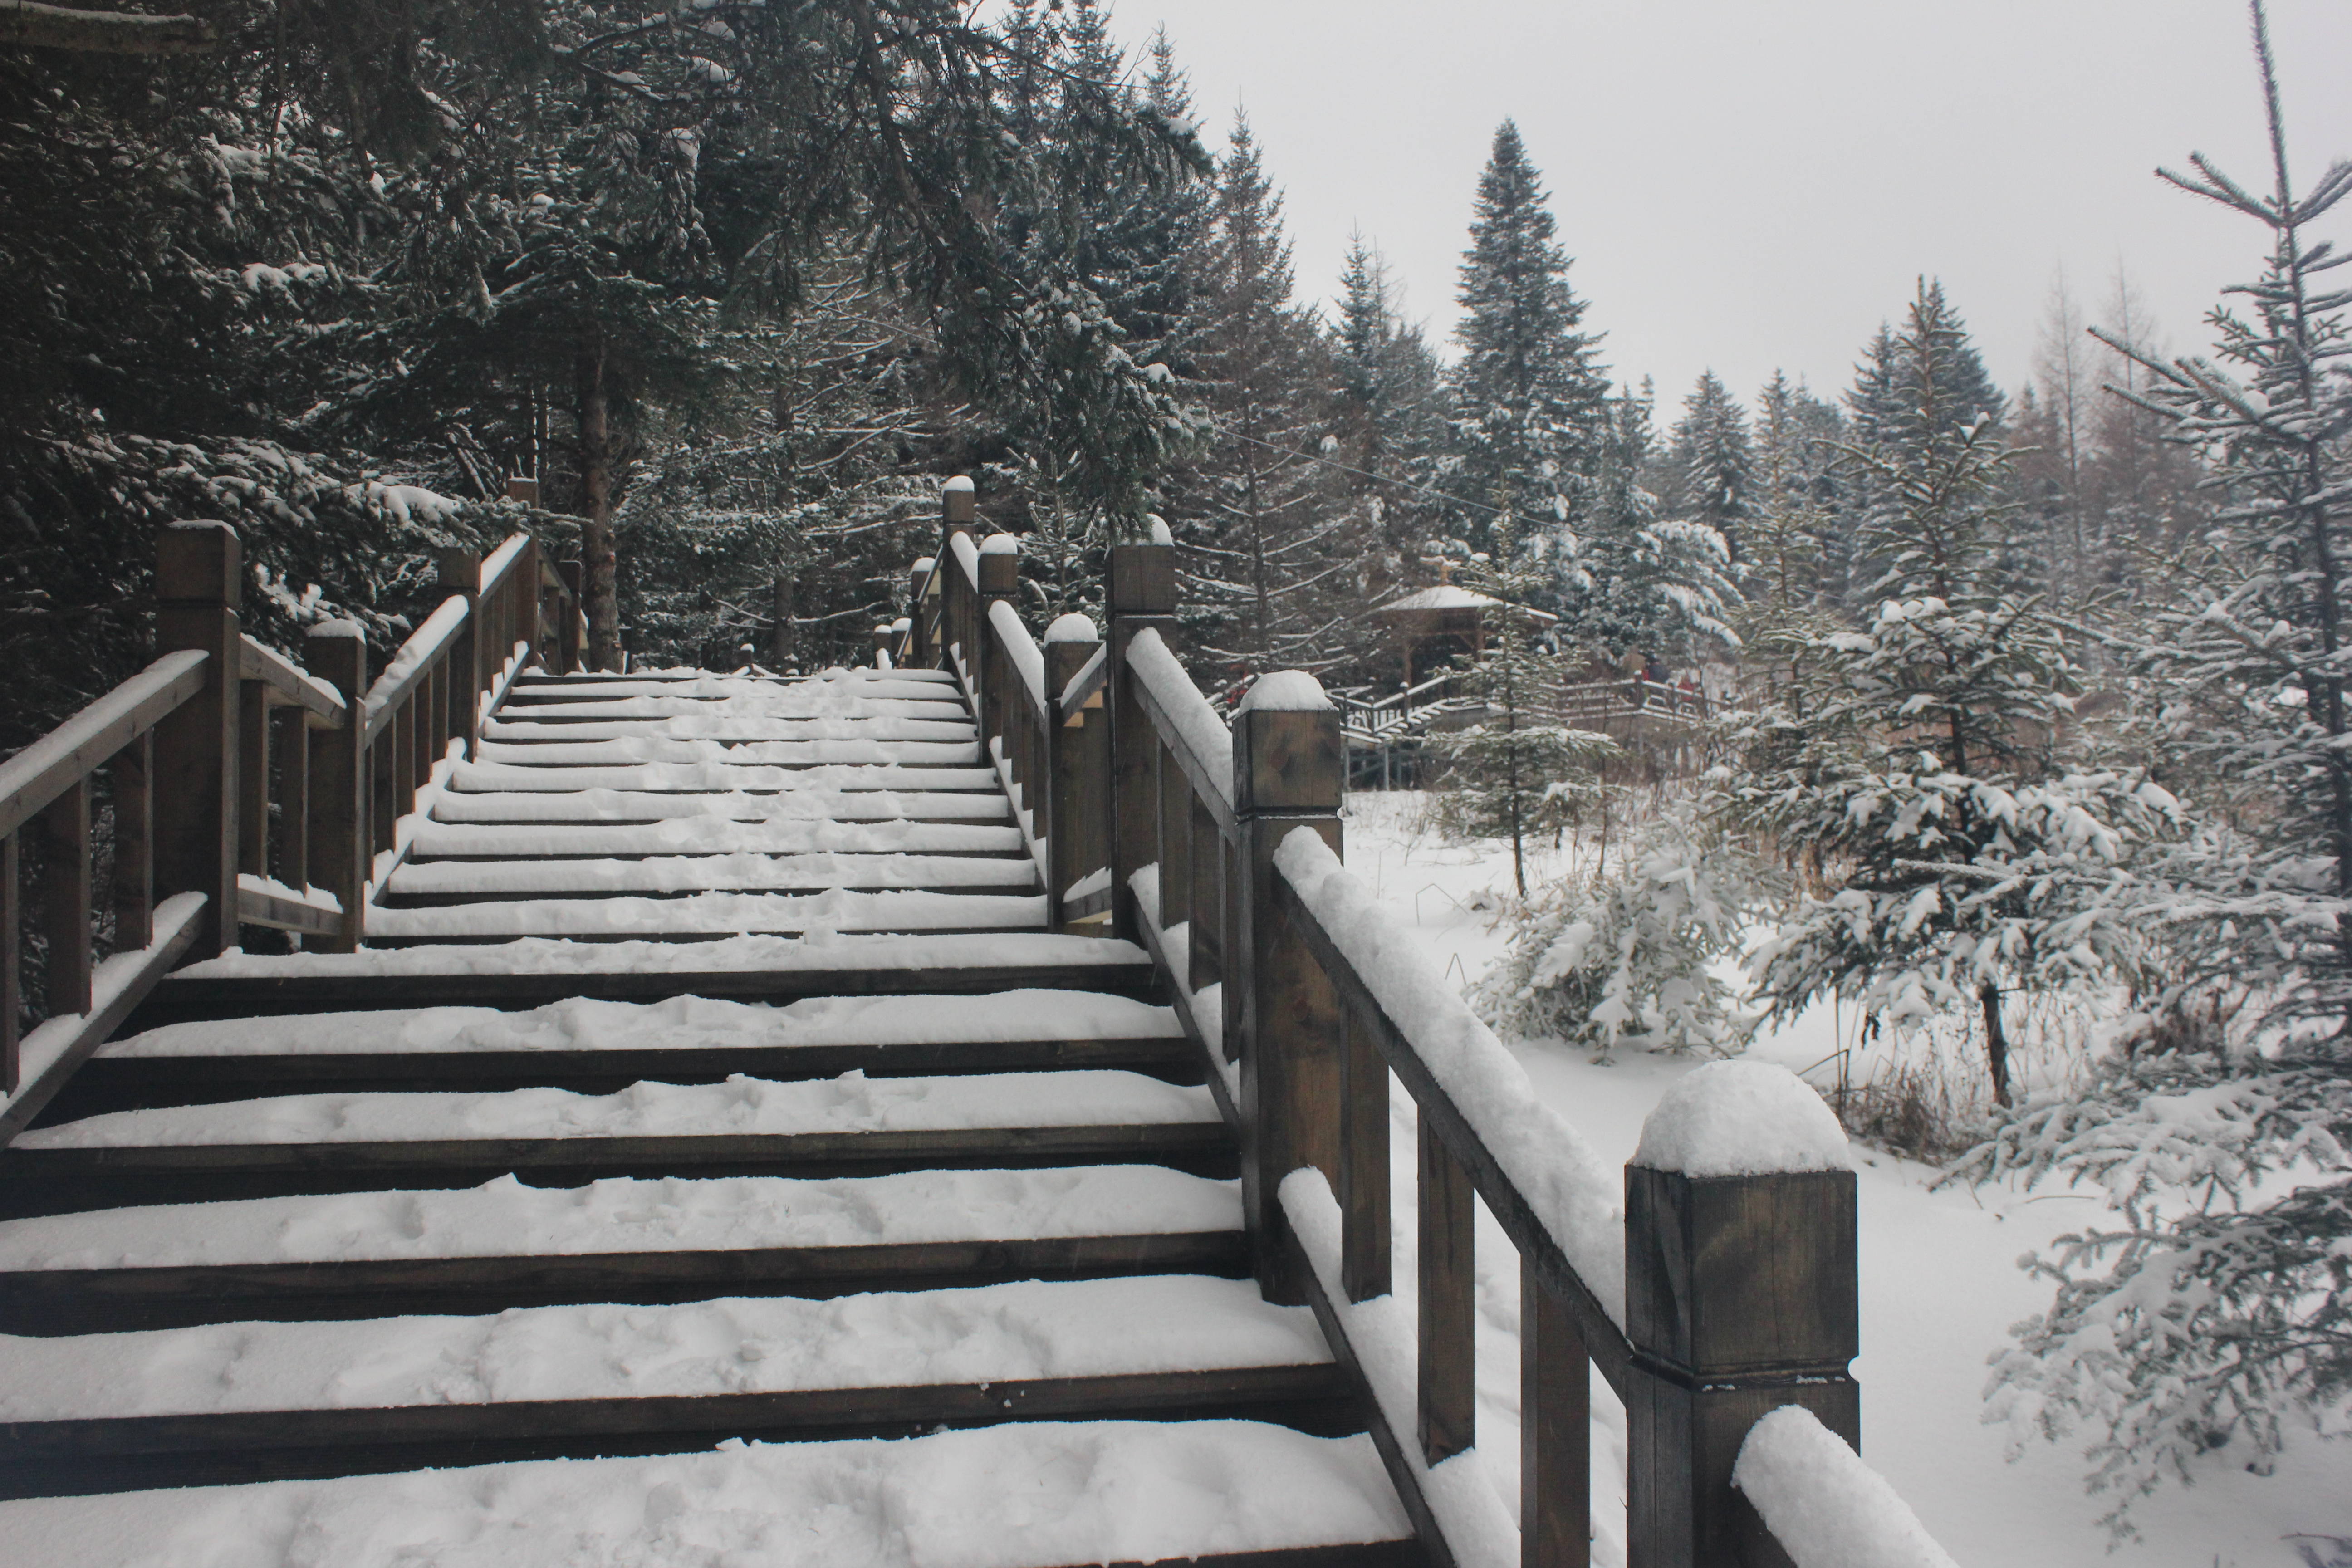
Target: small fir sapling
{"points": [[2221, 1323]]}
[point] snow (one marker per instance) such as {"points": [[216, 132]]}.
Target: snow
{"points": [[45, 1045], [1019, 646], [911, 721], [346, 630], [497, 563], [719, 778], [1577, 1198], [756, 955], [960, 484], [1825, 1506], [1443, 597], [716, 914], [271, 887], [1073, 627], [854, 747], [999, 545], [748, 1106], [1160, 532], [1742, 1119], [1286, 691], [967, 555], [1086, 672], [1088, 886], [995, 1333], [503, 1219], [683, 873], [821, 803], [675, 1023], [898, 693], [717, 836], [1197, 724], [1014, 1496]]}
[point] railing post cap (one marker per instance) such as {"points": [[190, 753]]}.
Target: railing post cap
{"points": [[1160, 531], [336, 631], [1286, 691], [960, 484], [1073, 627], [999, 545], [924, 564], [902, 624], [1742, 1119], [957, 502], [199, 561]]}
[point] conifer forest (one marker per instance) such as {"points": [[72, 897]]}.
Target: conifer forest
{"points": [[1993, 737]]}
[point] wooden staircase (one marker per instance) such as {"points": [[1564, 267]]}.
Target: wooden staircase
{"points": [[302, 1218]]}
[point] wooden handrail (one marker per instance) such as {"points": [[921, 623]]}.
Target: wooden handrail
{"points": [[296, 685], [1085, 687], [412, 662], [500, 562], [1021, 651], [38, 775]]}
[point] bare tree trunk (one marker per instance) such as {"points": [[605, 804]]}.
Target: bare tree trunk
{"points": [[1996, 1043], [599, 555]]}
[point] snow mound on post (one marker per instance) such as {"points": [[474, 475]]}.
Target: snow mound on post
{"points": [[1825, 1506], [1563, 1182], [1160, 530], [960, 483], [1072, 627], [334, 628], [999, 545], [1742, 1119], [1286, 691]]}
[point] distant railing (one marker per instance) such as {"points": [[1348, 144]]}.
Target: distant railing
{"points": [[247, 788], [1709, 1299]]}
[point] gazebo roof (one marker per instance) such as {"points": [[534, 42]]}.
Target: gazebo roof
{"points": [[1447, 597]]}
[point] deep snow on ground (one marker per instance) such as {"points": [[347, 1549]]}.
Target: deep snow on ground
{"points": [[1940, 1287]]}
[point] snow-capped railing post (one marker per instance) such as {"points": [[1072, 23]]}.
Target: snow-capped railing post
{"points": [[1287, 757], [199, 587], [884, 636], [1077, 762], [992, 672], [1143, 596], [1740, 1297], [920, 651], [461, 573], [339, 829]]}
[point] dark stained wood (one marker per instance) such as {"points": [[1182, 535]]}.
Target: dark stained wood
{"points": [[253, 777], [81, 1457], [1175, 852], [291, 850], [259, 909], [65, 898], [461, 573], [1362, 1189], [1207, 903], [131, 776], [340, 787], [103, 1300], [1555, 1433], [75, 1181], [1448, 1398], [199, 586], [12, 939]]}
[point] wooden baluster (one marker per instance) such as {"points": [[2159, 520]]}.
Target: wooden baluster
{"points": [[461, 573], [340, 834], [1740, 1297], [65, 898], [999, 578], [293, 847], [1175, 844], [383, 806], [199, 584], [1208, 899], [12, 937], [1362, 1189], [920, 655], [1074, 762], [1555, 1432], [253, 777], [402, 735], [1449, 1391], [567, 637], [131, 774], [780, 632], [1286, 777], [1142, 597]]}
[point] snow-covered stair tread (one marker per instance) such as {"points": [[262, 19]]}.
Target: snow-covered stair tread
{"points": [[1021, 950], [851, 768], [899, 722], [1035, 1495], [705, 835], [711, 873], [713, 914], [861, 750], [737, 1107], [813, 803], [995, 1333], [504, 1218]]}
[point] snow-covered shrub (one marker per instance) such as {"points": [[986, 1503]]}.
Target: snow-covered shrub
{"points": [[1630, 956]]}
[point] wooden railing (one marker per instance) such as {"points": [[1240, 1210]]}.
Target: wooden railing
{"points": [[247, 790], [1707, 1300]]}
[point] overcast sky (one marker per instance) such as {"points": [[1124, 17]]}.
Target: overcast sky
{"points": [[1752, 184]]}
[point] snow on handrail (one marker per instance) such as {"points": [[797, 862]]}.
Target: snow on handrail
{"points": [[259, 661], [1564, 1183], [408, 664], [1090, 678], [967, 556], [1198, 728], [67, 755], [1822, 1504], [500, 562], [1021, 648]]}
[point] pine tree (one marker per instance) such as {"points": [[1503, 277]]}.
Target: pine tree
{"points": [[1389, 414], [1630, 580], [1530, 400], [2223, 1323], [1712, 461]]}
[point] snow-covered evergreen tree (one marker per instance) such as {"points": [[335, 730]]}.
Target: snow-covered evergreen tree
{"points": [[1631, 580], [1712, 462]]}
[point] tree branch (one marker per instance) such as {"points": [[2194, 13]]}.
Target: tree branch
{"points": [[28, 25]]}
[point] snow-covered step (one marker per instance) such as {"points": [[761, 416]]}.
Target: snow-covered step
{"points": [[533, 970], [503, 1244], [713, 835], [845, 751], [596, 1046], [852, 1125], [737, 730], [692, 915], [453, 881], [810, 803], [720, 777], [179, 1406], [1028, 1495]]}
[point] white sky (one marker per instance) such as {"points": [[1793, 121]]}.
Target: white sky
{"points": [[1746, 183]]}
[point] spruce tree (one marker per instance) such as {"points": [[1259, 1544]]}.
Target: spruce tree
{"points": [[1631, 580], [1712, 462]]}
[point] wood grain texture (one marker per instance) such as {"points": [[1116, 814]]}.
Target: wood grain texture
{"points": [[1447, 1402]]}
